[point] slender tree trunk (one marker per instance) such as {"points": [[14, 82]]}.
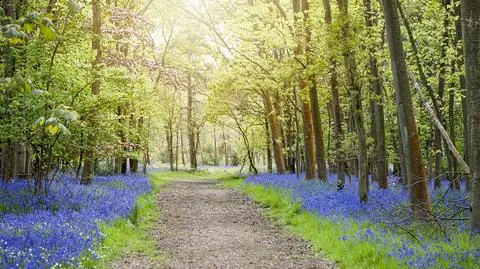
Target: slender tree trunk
{"points": [[378, 114], [401, 154], [88, 173], [191, 127], [276, 134], [182, 149], [416, 175], [268, 149], [306, 106], [298, 160], [437, 153], [225, 151], [462, 83], [176, 149], [356, 98], [169, 136], [215, 151], [314, 106], [471, 38], [336, 108]]}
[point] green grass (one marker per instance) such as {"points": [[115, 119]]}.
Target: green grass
{"points": [[132, 235], [187, 175], [324, 235]]}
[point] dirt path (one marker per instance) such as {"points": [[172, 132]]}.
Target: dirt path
{"points": [[204, 225]]}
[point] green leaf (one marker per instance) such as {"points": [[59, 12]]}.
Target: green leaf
{"points": [[52, 130], [48, 33], [28, 86], [2, 12]]}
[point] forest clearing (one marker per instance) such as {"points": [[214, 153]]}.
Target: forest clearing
{"points": [[240, 134]]}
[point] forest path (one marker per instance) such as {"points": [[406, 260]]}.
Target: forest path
{"points": [[204, 225]]}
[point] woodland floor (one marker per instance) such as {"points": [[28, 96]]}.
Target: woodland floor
{"points": [[204, 225]]}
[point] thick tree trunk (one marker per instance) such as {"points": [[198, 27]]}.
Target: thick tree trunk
{"points": [[416, 175], [308, 139], [133, 165], [8, 161], [471, 39]]}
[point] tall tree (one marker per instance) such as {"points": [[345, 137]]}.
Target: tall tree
{"points": [[276, 135], [191, 126], [415, 169], [88, 166], [304, 85], [336, 109], [471, 51], [378, 117], [313, 94], [354, 89]]}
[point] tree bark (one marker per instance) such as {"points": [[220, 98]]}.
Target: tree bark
{"points": [[313, 94], [191, 127], [133, 165], [268, 149], [378, 114], [355, 92], [462, 83], [416, 175], [471, 51], [336, 108], [276, 134], [88, 170], [306, 106]]}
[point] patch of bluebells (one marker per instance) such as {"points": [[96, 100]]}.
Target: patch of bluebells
{"points": [[344, 208], [57, 229]]}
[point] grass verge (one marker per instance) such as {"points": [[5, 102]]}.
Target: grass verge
{"points": [[132, 235], [326, 236]]}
